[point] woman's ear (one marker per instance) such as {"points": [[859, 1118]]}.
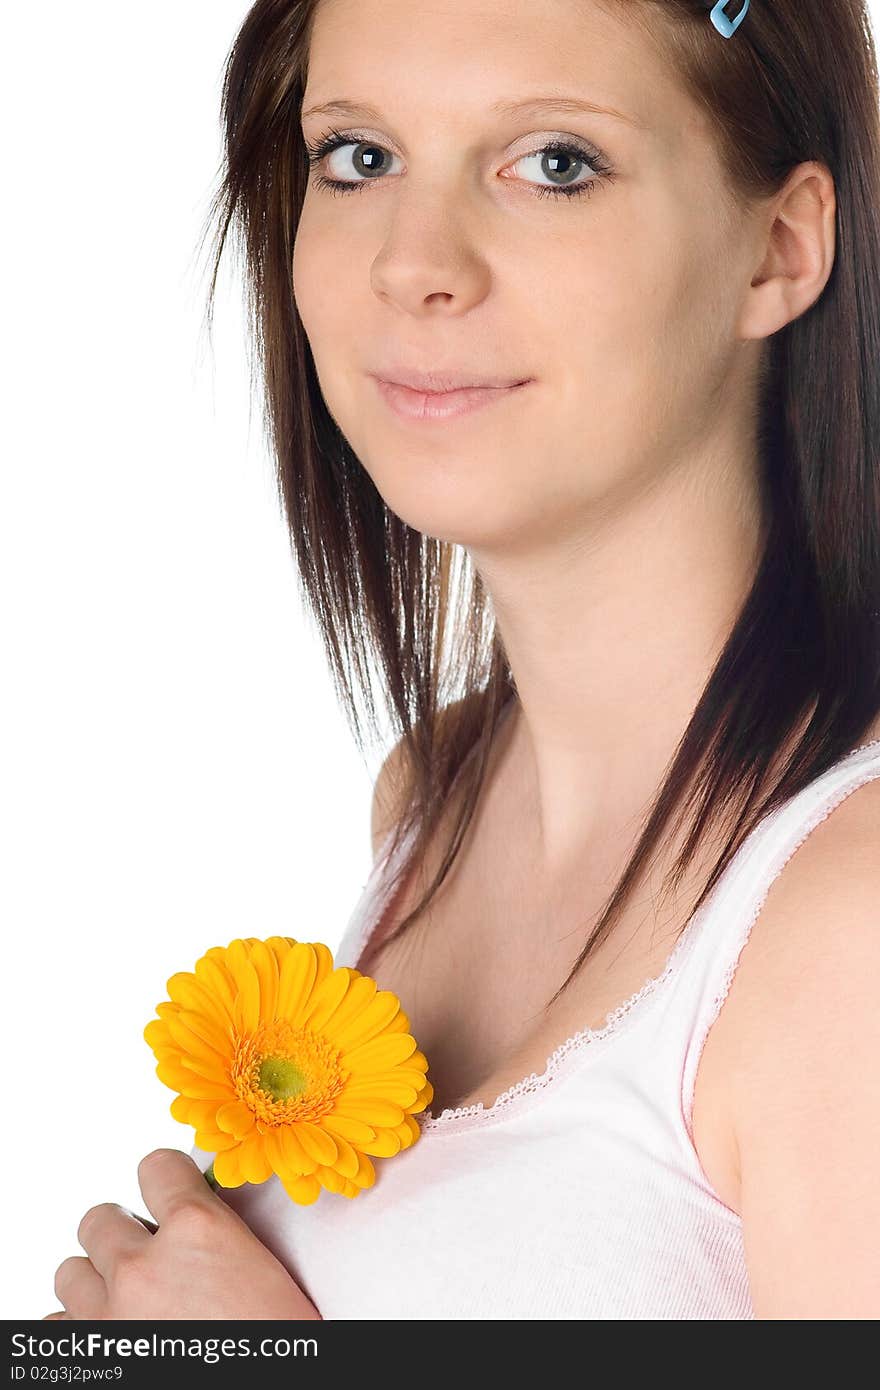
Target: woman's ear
{"points": [[797, 243]]}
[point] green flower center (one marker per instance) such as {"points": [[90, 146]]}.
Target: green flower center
{"points": [[282, 1078], [285, 1074]]}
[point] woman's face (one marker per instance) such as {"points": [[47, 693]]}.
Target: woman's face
{"points": [[450, 253]]}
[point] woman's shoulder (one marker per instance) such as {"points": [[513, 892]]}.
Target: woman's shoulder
{"points": [[819, 908], [388, 795], [802, 1037], [392, 786]]}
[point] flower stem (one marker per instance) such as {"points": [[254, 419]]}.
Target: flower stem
{"points": [[210, 1179]]}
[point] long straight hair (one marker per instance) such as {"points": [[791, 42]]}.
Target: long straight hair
{"points": [[800, 669]]}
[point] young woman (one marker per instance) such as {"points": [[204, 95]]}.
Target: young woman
{"points": [[569, 327]]}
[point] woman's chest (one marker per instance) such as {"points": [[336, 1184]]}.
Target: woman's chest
{"points": [[520, 1219], [476, 969]]}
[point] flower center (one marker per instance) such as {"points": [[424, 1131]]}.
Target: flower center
{"points": [[282, 1078], [286, 1074]]}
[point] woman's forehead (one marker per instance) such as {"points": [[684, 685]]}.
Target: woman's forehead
{"points": [[472, 47], [463, 62]]}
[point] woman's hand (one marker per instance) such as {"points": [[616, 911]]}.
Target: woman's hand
{"points": [[201, 1262]]}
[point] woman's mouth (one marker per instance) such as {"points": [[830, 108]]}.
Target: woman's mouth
{"points": [[409, 404]]}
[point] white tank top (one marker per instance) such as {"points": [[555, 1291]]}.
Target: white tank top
{"points": [[578, 1193]]}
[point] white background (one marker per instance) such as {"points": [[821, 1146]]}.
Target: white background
{"points": [[175, 769]]}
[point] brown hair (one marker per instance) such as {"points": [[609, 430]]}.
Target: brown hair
{"points": [[800, 670]]}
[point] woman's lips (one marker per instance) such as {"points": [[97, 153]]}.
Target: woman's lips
{"points": [[408, 404]]}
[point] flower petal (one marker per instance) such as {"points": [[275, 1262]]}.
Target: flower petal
{"points": [[376, 1017], [324, 958], [246, 1010], [280, 947], [227, 1170], [399, 1023], [317, 1142], [385, 1145], [361, 991], [210, 1031], [188, 1083], [373, 1112], [211, 1142], [156, 1033], [380, 1054], [426, 1095], [236, 1118], [408, 1075], [346, 1162], [329, 1178], [217, 982], [355, 1131], [408, 1132], [383, 1088], [303, 1190], [297, 1157], [252, 1159], [201, 1114], [264, 963], [286, 1154], [189, 993], [326, 998], [366, 1173], [298, 974], [195, 1046], [182, 1107], [217, 1072], [276, 1155]]}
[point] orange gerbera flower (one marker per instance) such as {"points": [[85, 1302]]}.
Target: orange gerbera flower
{"points": [[284, 1064]]}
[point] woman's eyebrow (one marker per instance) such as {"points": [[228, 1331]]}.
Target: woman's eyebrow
{"points": [[533, 106]]}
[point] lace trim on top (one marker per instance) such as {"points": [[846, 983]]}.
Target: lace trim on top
{"points": [[557, 1063], [536, 1082], [455, 1118]]}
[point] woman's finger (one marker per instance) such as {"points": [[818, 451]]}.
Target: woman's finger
{"points": [[79, 1286], [57, 1317], [144, 1220], [170, 1179], [108, 1232]]}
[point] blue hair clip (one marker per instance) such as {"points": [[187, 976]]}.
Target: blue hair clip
{"points": [[726, 26]]}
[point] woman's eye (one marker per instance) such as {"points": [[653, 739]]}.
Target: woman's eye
{"points": [[562, 164], [369, 161]]}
